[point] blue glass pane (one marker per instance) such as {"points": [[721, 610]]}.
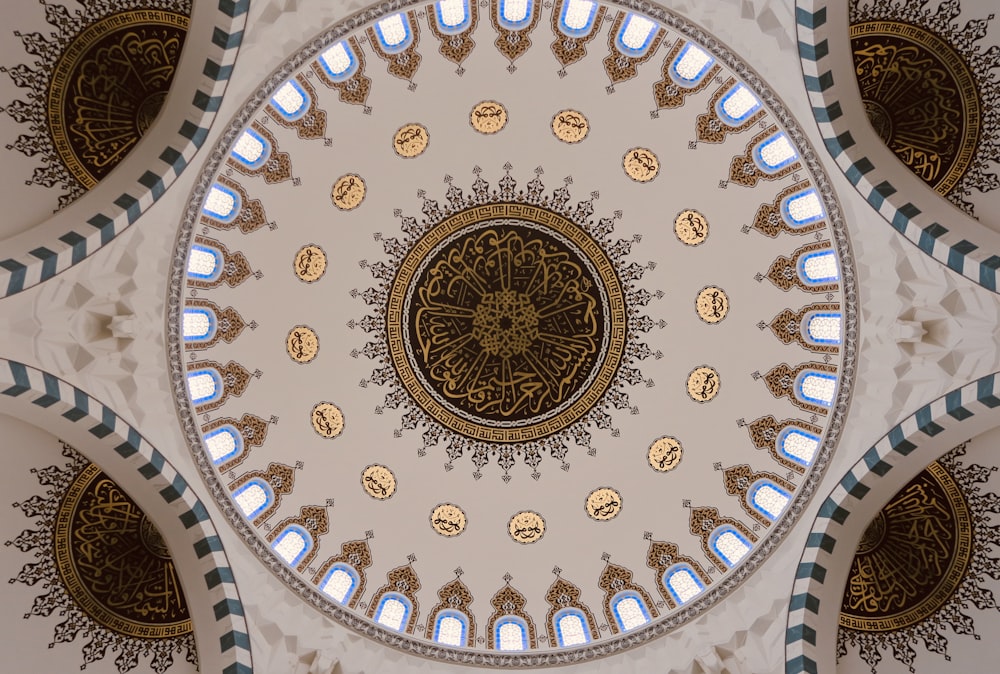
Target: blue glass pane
{"points": [[576, 18], [254, 497], [198, 324], [768, 499], [775, 153], [251, 149], [394, 33], [452, 16], [222, 203], [822, 327], [340, 582], [818, 388], [339, 62], [510, 633], [802, 208], [291, 101], [635, 35], [572, 628], [737, 105], [204, 386], [204, 263], [798, 445], [292, 544], [515, 14], [223, 444], [729, 544], [819, 268], [691, 65], [444, 628], [682, 583]]}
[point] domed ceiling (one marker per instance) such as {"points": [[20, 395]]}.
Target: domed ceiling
{"points": [[566, 282]]}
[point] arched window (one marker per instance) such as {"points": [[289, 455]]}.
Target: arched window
{"points": [[802, 208], [204, 263], [510, 633], [822, 327], [819, 268], [394, 33], [291, 101], [292, 544], [198, 324], [774, 153], [690, 66], [452, 16], [254, 497], [252, 149], [816, 388], [630, 610], [737, 105], [340, 582], [339, 62], [393, 611], [222, 203], [798, 445], [514, 14], [682, 583], [223, 443], [451, 628], [729, 544], [768, 499], [635, 35], [577, 17], [204, 386], [572, 628]]}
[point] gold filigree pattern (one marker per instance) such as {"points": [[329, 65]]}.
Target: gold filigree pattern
{"points": [[620, 67], [513, 43], [402, 64], [784, 274], [667, 93], [455, 47], [568, 50], [312, 124], [355, 89], [404, 580], [454, 596], [615, 579], [704, 520], [251, 216], [711, 129], [235, 379], [311, 518], [781, 383], [252, 429], [281, 479], [768, 220], [744, 170], [235, 267], [275, 169], [356, 554], [563, 594], [228, 323], [787, 326], [661, 556], [509, 602], [765, 432], [738, 479]]}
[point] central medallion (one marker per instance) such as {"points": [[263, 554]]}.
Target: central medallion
{"points": [[500, 322]]}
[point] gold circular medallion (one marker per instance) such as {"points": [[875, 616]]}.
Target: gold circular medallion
{"points": [[348, 192], [604, 504], [691, 227], [570, 126], [488, 117], [378, 481], [703, 384], [640, 164], [712, 304], [302, 343], [310, 263], [328, 420], [665, 454], [448, 519], [411, 140], [526, 527]]}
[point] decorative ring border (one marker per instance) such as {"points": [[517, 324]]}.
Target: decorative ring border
{"points": [[947, 246], [611, 645], [61, 398], [52, 257], [802, 652]]}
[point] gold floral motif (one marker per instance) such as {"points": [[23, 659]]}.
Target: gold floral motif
{"points": [[310, 263], [526, 527], [448, 519], [302, 344], [570, 126], [488, 117], [691, 227], [665, 454], [604, 503], [348, 192], [712, 304], [411, 140], [641, 164], [569, 50], [327, 420], [378, 481], [703, 384]]}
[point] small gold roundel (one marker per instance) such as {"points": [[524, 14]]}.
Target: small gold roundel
{"points": [[310, 263], [570, 126], [641, 164], [703, 384], [448, 519], [328, 420], [302, 343], [712, 304], [488, 117], [604, 504], [411, 140], [378, 481], [526, 527], [691, 227], [348, 192], [665, 454]]}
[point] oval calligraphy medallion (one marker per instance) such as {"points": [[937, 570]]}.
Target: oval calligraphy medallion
{"points": [[570, 126], [703, 384], [488, 117], [348, 192], [378, 481], [448, 519], [712, 304], [641, 164], [604, 503], [526, 527], [691, 227], [310, 263], [665, 454], [411, 140], [327, 420], [302, 343]]}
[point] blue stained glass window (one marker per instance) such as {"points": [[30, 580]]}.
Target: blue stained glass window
{"points": [[691, 66], [572, 627], [630, 610], [515, 14], [339, 62], [198, 324], [576, 18], [452, 16], [451, 628], [394, 33], [204, 263], [768, 499], [340, 582], [775, 153], [292, 544], [822, 327], [223, 443], [222, 203], [818, 388], [251, 149], [204, 385], [729, 544], [682, 583], [737, 105], [635, 35], [819, 268], [802, 208], [798, 445], [291, 101], [254, 497], [393, 611], [510, 633]]}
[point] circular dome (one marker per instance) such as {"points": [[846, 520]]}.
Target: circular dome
{"points": [[512, 334]]}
